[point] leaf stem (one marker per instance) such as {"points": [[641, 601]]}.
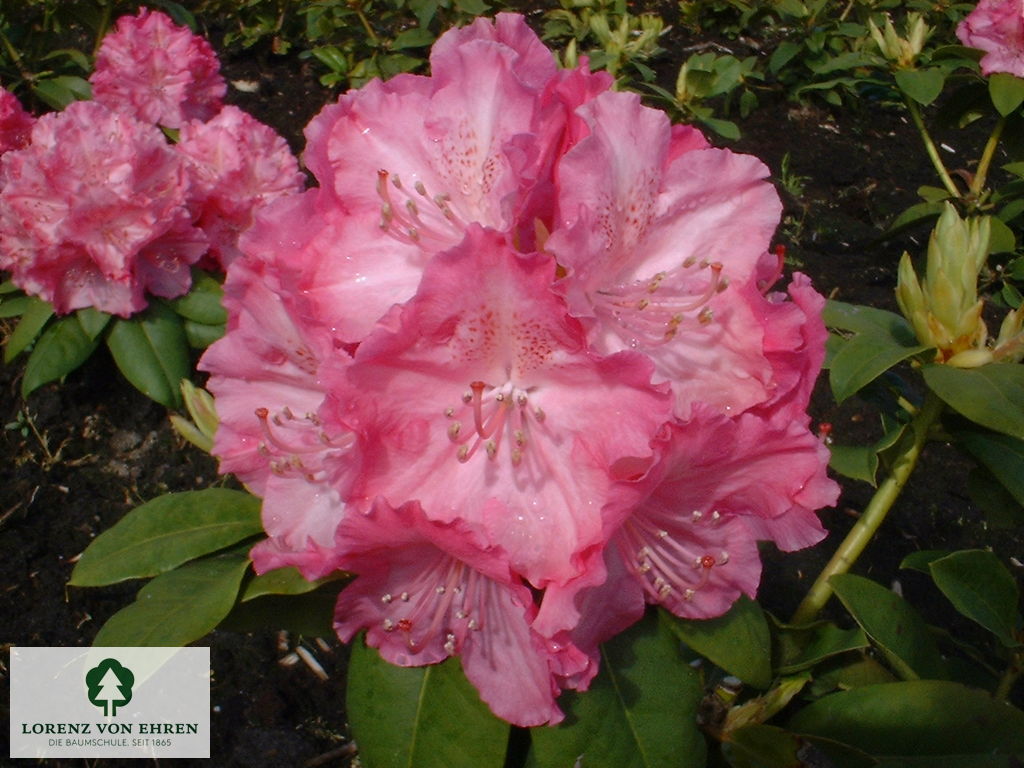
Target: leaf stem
{"points": [[857, 539], [986, 158], [930, 148], [1010, 676]]}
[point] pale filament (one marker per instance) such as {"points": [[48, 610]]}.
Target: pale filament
{"points": [[415, 215], [509, 413]]}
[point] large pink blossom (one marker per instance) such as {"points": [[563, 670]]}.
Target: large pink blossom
{"points": [[237, 164], [157, 71], [264, 374], [428, 590], [93, 213], [15, 122], [480, 400], [996, 27], [654, 227], [416, 160]]}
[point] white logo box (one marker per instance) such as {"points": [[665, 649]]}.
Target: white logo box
{"points": [[158, 700]]}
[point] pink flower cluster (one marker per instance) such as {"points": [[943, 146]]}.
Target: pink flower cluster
{"points": [[516, 363], [97, 209], [996, 27]]}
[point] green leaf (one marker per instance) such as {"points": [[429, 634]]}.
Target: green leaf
{"points": [[863, 358], [60, 91], [922, 85], [1007, 92], [1002, 510], [919, 561], [15, 306], [915, 214], [420, 717], [739, 642], [846, 673], [916, 717], [310, 614], [166, 532], [858, 318], [980, 588], [472, 7], [33, 319], [991, 395], [858, 462], [417, 37], [762, 746], [896, 628], [1001, 239], [640, 710], [63, 347], [178, 607], [151, 351], [800, 648], [202, 303], [1001, 455], [282, 581], [201, 336], [783, 54], [93, 321]]}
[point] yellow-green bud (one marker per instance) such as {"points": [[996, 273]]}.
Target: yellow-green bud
{"points": [[944, 308], [903, 51], [200, 406]]}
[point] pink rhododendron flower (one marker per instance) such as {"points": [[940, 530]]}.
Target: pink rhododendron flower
{"points": [[161, 73], [93, 214], [518, 365], [15, 122], [996, 27], [480, 400], [654, 225], [428, 590], [415, 160], [237, 164]]}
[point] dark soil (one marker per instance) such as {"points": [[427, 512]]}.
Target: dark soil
{"points": [[77, 457]]}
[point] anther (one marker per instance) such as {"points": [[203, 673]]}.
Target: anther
{"points": [[453, 430], [404, 597], [420, 188], [388, 625], [386, 598]]}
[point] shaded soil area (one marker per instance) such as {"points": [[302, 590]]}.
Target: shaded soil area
{"points": [[75, 458]]}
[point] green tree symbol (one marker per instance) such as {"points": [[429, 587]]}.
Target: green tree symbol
{"points": [[110, 685]]}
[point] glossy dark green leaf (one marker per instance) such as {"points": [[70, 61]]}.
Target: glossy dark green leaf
{"points": [[914, 215], [201, 336], [1002, 510], [991, 395], [166, 532], [310, 614], [420, 717], [892, 624], [31, 324], [178, 607], [1001, 455], [281, 581], [915, 717], [640, 711], [63, 347], [417, 37], [858, 462], [151, 350], [202, 303], [922, 85], [863, 358], [846, 672], [1001, 238], [799, 648], [919, 561], [762, 746], [93, 321], [15, 306], [739, 642], [62, 90], [982, 589], [1007, 92]]}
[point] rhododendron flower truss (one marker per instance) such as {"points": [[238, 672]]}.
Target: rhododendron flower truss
{"points": [[690, 546], [428, 590], [654, 226], [93, 213], [237, 164], [264, 376], [996, 27], [156, 71], [479, 400], [15, 122], [415, 160]]}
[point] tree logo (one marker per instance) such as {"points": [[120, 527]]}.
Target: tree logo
{"points": [[110, 685]]}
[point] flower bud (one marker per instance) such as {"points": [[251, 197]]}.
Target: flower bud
{"points": [[944, 308], [902, 51], [201, 429]]}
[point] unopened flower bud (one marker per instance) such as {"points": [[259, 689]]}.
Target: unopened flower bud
{"points": [[903, 51], [944, 308], [200, 406]]}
